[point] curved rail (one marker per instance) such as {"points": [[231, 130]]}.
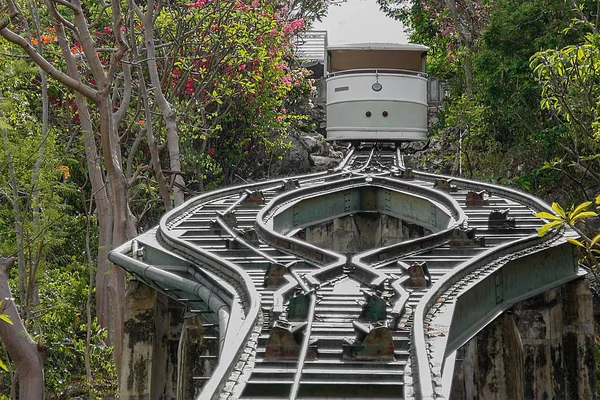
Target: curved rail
{"points": [[233, 240]]}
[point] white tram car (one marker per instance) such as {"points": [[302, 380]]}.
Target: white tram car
{"points": [[377, 92]]}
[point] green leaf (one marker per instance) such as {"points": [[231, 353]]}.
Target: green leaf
{"points": [[559, 210], [3, 366], [545, 228], [6, 319], [595, 240], [575, 242], [580, 208], [586, 214], [548, 216]]}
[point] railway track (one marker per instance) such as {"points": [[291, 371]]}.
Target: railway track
{"points": [[341, 284]]}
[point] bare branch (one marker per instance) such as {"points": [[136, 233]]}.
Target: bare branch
{"points": [[60, 76], [65, 3], [99, 17]]}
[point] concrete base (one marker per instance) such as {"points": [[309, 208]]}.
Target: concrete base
{"points": [[151, 337], [362, 231], [543, 350]]}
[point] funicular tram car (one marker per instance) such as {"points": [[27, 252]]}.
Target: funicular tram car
{"points": [[377, 92]]}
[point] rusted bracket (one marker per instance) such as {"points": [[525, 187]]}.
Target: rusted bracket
{"points": [[228, 218], [248, 236], [284, 342], [289, 184], [253, 198], [408, 174], [499, 220], [476, 199], [445, 185], [465, 237], [372, 343], [298, 306], [274, 276], [374, 308], [418, 276]]}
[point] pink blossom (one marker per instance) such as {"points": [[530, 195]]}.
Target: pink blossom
{"points": [[197, 4], [108, 29], [287, 80], [211, 151], [283, 111], [279, 118], [242, 67], [293, 26]]}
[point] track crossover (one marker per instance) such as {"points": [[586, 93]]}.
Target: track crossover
{"points": [[358, 282]]}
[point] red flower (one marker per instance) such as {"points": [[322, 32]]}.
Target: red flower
{"points": [[211, 151]]}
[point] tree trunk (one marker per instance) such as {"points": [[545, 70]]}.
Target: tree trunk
{"points": [[23, 351], [167, 110]]}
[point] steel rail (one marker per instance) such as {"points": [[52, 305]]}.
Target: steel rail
{"points": [[276, 224], [235, 236], [425, 378], [304, 349]]}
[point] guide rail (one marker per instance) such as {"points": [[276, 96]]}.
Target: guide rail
{"points": [[311, 313]]}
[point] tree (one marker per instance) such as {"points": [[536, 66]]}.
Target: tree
{"points": [[114, 65], [570, 79], [26, 354]]}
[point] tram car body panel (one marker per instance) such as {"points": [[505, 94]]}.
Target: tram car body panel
{"points": [[377, 92]]}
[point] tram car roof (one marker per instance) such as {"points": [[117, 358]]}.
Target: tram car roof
{"points": [[376, 56]]}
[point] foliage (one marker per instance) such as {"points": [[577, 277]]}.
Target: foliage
{"points": [[482, 49], [228, 72], [61, 316], [570, 79], [578, 219], [232, 81]]}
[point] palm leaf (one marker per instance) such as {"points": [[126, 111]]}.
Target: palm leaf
{"points": [[6, 319], [548, 216], [559, 210], [585, 214], [575, 242], [580, 208], [595, 240], [545, 228]]}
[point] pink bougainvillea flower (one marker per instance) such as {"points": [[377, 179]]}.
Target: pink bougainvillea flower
{"points": [[211, 151]]}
